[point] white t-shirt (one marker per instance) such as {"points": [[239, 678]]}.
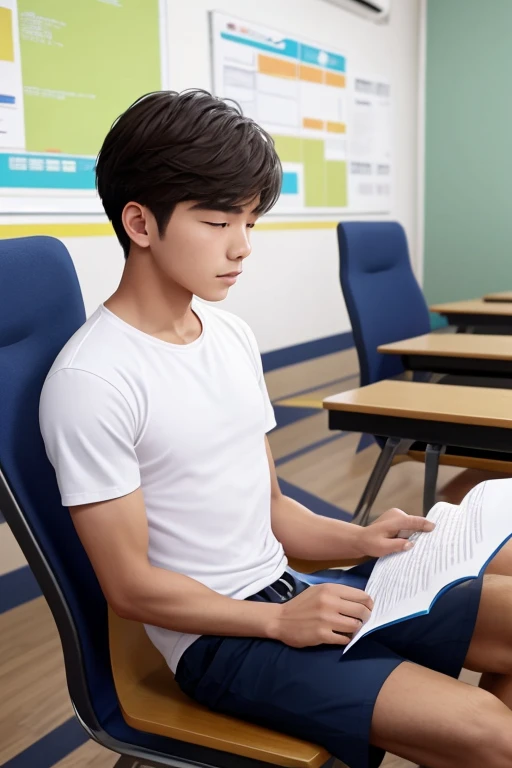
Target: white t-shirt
{"points": [[121, 409]]}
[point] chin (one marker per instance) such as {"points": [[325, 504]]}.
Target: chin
{"points": [[212, 295]]}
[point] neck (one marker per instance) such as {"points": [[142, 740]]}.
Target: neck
{"points": [[152, 302]]}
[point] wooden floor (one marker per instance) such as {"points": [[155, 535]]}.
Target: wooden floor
{"points": [[330, 468]]}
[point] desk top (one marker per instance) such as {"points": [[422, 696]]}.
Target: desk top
{"points": [[430, 402], [504, 296], [467, 345], [473, 307]]}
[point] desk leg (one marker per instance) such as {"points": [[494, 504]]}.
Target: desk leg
{"points": [[394, 446], [432, 456]]}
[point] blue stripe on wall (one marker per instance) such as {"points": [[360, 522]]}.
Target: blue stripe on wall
{"points": [[17, 587], [51, 748], [309, 350]]}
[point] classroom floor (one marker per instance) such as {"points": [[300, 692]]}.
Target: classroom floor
{"points": [[324, 470]]}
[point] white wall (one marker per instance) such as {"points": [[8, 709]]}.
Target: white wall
{"points": [[289, 292]]}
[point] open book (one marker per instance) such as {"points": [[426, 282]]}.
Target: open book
{"points": [[466, 537]]}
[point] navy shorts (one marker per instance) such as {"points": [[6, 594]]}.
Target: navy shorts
{"points": [[318, 693]]}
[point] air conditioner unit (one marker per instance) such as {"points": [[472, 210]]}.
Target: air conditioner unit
{"points": [[376, 10]]}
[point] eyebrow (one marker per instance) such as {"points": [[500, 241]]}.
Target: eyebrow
{"points": [[235, 209]]}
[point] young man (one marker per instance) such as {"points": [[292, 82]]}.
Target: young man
{"points": [[154, 416]]}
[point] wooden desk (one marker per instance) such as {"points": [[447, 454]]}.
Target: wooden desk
{"points": [[461, 426], [455, 353], [504, 296], [466, 417], [476, 312]]}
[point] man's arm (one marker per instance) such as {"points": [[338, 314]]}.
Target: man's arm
{"points": [[308, 536], [115, 536], [304, 534]]}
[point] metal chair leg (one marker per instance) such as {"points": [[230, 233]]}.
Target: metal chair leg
{"points": [[394, 446], [432, 455]]}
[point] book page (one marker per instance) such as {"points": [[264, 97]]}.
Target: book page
{"points": [[465, 538]]}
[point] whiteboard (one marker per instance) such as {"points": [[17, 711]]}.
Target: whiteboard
{"points": [[303, 94]]}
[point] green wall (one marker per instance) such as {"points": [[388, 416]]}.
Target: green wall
{"points": [[468, 185]]}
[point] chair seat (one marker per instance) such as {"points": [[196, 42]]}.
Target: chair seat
{"points": [[151, 701]]}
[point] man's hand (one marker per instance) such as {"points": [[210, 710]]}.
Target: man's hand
{"points": [[320, 614], [380, 538]]}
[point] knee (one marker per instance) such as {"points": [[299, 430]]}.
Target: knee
{"points": [[488, 734]]}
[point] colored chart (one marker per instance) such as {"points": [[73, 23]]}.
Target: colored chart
{"points": [[297, 92], [67, 71], [300, 93]]}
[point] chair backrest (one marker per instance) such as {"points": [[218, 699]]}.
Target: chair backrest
{"points": [[384, 301], [41, 307]]}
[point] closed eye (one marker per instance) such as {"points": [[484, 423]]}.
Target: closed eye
{"points": [[224, 224]]}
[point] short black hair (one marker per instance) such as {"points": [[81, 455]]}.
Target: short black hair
{"points": [[171, 147]]}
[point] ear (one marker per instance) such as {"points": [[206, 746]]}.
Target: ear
{"points": [[134, 218]]}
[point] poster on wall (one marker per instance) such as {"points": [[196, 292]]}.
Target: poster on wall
{"points": [[370, 166], [66, 73], [299, 92]]}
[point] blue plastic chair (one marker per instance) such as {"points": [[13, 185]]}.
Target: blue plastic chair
{"points": [[385, 304], [384, 301], [41, 307]]}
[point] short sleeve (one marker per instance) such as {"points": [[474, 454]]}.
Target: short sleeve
{"points": [[89, 433], [270, 419]]}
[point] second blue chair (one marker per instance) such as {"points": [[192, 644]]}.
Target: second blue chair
{"points": [[385, 304]]}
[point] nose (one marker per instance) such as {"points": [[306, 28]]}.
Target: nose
{"points": [[240, 247]]}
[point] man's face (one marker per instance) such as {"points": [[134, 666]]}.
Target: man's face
{"points": [[201, 246]]}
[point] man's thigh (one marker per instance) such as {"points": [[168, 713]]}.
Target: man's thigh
{"points": [[357, 705], [316, 693]]}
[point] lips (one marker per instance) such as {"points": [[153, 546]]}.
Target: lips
{"points": [[231, 274]]}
